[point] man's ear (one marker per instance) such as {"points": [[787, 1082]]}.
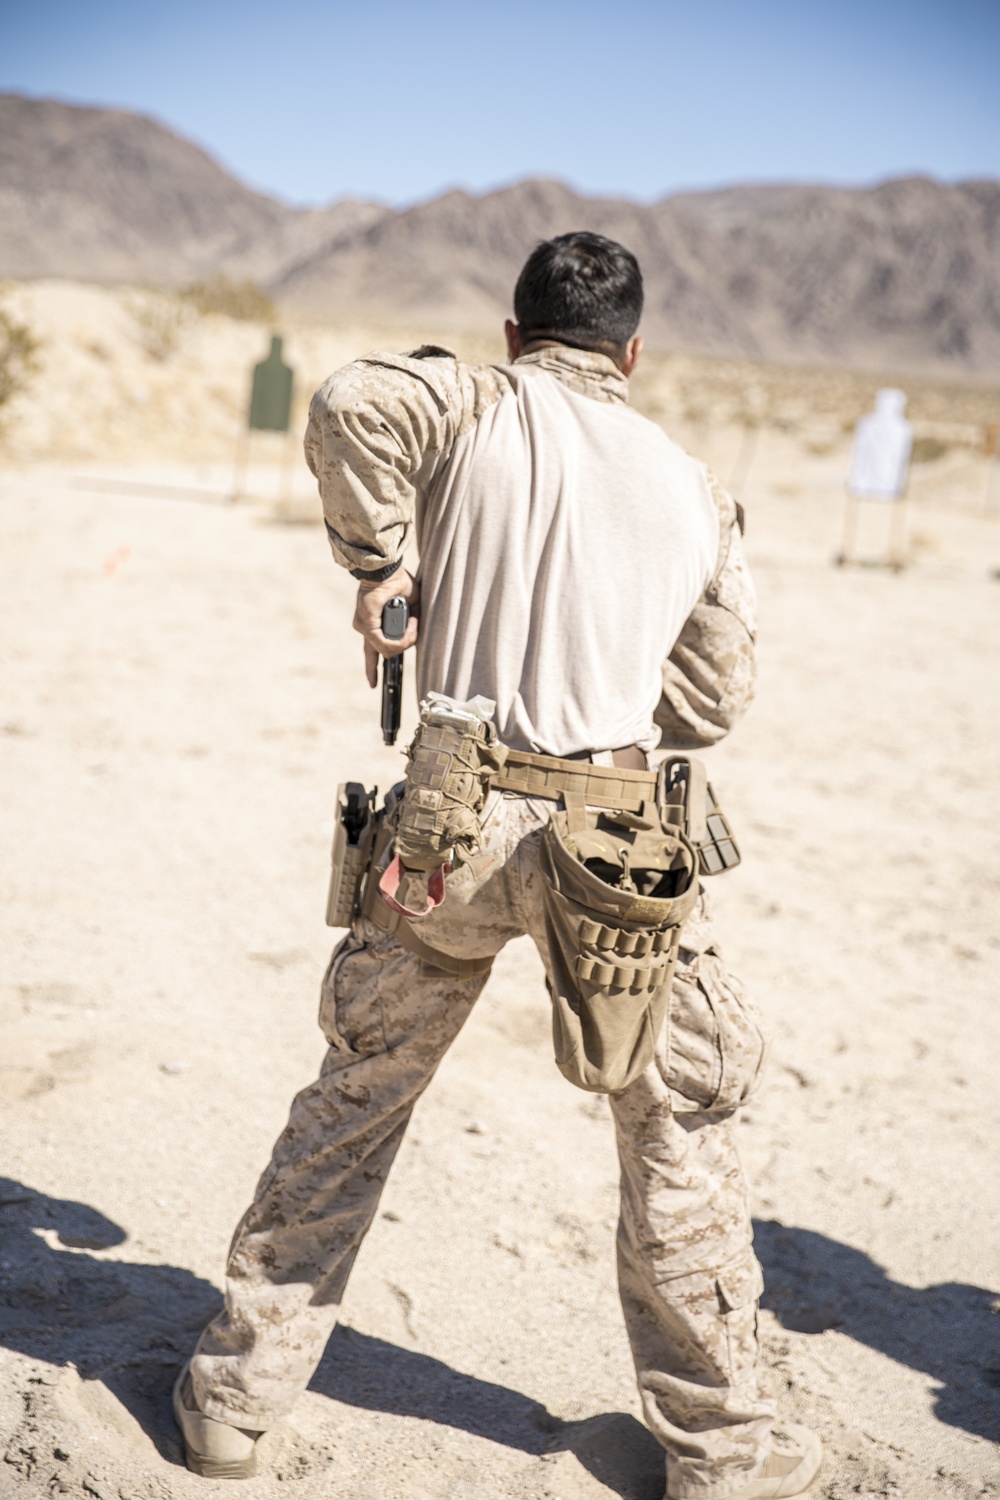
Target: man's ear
{"points": [[632, 351], [512, 333]]}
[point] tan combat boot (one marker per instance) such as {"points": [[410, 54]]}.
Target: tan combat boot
{"points": [[791, 1468], [212, 1449]]}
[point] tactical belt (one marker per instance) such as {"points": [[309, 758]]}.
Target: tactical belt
{"points": [[532, 776], [595, 786]]}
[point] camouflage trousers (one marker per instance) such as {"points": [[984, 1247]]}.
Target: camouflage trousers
{"points": [[688, 1277]]}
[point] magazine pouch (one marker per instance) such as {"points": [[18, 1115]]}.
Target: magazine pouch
{"points": [[452, 758]]}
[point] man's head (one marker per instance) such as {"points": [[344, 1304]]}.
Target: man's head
{"points": [[583, 290]]}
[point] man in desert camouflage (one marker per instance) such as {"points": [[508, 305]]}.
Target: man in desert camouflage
{"points": [[582, 572]]}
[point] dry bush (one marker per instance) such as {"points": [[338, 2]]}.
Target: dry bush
{"points": [[161, 322], [927, 449], [18, 357], [231, 299]]}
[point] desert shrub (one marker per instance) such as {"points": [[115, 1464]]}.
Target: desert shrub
{"points": [[927, 449], [161, 322], [231, 299], [18, 357]]}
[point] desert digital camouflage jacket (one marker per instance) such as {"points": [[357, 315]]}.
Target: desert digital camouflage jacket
{"points": [[709, 676], [576, 565]]}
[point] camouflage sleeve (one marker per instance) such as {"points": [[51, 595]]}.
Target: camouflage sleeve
{"points": [[708, 678], [379, 430]]}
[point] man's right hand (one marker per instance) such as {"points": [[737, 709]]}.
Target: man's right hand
{"points": [[372, 598]]}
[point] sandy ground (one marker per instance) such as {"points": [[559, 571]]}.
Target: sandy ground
{"points": [[180, 696]]}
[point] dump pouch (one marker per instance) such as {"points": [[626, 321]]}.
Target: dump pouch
{"points": [[616, 889], [452, 757], [351, 855]]}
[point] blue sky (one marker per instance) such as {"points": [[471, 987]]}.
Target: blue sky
{"points": [[310, 101]]}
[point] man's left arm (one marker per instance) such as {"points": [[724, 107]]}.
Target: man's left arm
{"points": [[709, 676]]}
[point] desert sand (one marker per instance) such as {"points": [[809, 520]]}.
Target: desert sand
{"points": [[181, 694]]}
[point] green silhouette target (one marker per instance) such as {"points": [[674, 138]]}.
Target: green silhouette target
{"points": [[271, 394]]}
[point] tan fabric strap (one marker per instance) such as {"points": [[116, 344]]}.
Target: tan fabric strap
{"points": [[462, 968], [599, 786]]}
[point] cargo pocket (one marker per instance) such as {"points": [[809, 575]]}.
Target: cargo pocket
{"points": [[739, 1285], [348, 945], [715, 1321], [715, 1045]]}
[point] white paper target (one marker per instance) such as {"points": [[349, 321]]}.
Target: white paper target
{"points": [[880, 460]]}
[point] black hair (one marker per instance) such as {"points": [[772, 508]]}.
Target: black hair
{"points": [[580, 289]]}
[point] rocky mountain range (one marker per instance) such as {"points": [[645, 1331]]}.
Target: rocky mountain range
{"points": [[904, 275]]}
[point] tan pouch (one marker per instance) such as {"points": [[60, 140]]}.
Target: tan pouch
{"points": [[687, 796], [452, 758], [616, 889]]}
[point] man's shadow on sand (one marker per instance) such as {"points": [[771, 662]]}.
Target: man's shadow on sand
{"points": [[950, 1331], [125, 1324], [131, 1325]]}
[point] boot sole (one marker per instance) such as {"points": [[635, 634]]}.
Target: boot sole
{"points": [[206, 1468], [209, 1468]]}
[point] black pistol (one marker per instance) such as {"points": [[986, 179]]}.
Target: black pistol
{"points": [[395, 617]]}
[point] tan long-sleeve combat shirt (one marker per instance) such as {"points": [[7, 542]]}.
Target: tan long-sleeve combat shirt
{"points": [[576, 566]]}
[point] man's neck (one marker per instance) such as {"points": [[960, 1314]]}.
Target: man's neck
{"points": [[549, 341]]}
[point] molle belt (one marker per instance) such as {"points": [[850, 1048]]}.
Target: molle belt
{"points": [[597, 786]]}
